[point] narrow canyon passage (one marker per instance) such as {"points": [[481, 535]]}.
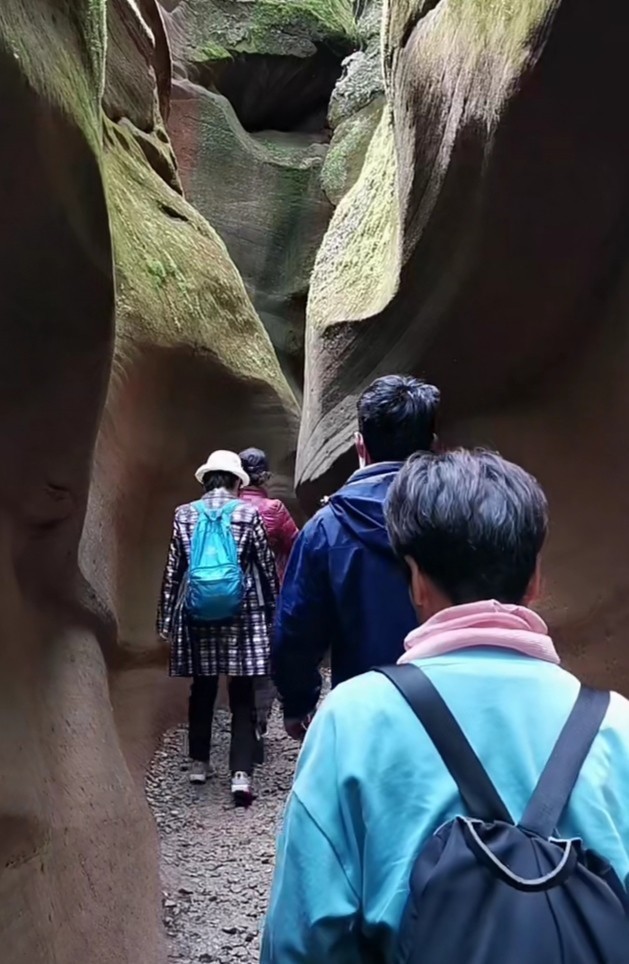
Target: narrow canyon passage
{"points": [[217, 861]]}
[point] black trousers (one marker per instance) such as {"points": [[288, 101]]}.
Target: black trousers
{"points": [[243, 745]]}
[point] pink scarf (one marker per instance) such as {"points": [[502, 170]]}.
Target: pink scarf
{"points": [[487, 623]]}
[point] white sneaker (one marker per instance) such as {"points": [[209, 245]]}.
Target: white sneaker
{"points": [[242, 790], [198, 772]]}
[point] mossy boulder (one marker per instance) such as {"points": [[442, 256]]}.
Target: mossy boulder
{"points": [[211, 30]]}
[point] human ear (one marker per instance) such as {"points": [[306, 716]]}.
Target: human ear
{"points": [[359, 442], [418, 586]]}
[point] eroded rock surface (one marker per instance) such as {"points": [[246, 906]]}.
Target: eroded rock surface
{"points": [[355, 106], [249, 122], [87, 172], [483, 246]]}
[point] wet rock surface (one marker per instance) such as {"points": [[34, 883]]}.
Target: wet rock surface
{"points": [[217, 861]]}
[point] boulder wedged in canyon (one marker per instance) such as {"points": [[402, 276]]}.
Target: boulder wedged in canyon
{"points": [[249, 124], [192, 368], [211, 31], [484, 247]]}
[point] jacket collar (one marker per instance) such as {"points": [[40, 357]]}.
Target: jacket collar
{"points": [[485, 623], [377, 468], [255, 490]]}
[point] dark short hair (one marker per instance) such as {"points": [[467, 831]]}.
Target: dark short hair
{"points": [[397, 416], [473, 522], [255, 464], [219, 480]]}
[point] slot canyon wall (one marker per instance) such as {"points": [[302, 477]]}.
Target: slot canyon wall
{"points": [[485, 247], [258, 91], [215, 210]]}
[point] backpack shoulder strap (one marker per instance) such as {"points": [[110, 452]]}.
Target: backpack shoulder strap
{"points": [[221, 511], [561, 772], [230, 507], [480, 796], [203, 509]]}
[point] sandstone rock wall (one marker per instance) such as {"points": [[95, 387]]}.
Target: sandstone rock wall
{"points": [[484, 247], [476, 158], [91, 202]]}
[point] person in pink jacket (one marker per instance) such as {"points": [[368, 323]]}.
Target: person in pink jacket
{"points": [[282, 532], [279, 523]]}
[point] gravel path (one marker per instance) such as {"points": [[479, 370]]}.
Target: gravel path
{"points": [[217, 861]]}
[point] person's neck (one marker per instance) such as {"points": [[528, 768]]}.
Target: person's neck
{"points": [[377, 465]]}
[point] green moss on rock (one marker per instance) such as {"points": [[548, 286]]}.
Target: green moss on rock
{"points": [[331, 20], [348, 150], [500, 27], [212, 52], [62, 55], [176, 283], [357, 268], [220, 28]]}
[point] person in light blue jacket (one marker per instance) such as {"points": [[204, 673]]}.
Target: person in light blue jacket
{"points": [[370, 787]]}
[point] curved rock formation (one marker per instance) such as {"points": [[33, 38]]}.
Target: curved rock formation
{"points": [[263, 194], [192, 368], [484, 247]]}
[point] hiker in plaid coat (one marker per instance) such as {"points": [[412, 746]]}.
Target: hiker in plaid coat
{"points": [[237, 648]]}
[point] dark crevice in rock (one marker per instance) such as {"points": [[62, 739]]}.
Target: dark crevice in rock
{"points": [[428, 7], [173, 213], [282, 93]]}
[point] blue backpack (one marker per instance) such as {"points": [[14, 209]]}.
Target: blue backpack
{"points": [[215, 581], [485, 890]]}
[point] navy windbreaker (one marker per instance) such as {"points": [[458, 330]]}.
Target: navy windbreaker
{"points": [[343, 592]]}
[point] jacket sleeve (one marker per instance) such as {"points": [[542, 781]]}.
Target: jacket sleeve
{"points": [[287, 531], [176, 566], [303, 624], [264, 561], [314, 909]]}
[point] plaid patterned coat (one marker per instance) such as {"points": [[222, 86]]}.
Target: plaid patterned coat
{"points": [[236, 647]]}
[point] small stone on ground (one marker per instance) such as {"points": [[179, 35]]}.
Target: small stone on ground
{"points": [[217, 861]]}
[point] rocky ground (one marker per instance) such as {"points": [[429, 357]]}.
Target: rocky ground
{"points": [[217, 861]]}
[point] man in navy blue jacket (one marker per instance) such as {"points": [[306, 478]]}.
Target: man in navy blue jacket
{"points": [[343, 590]]}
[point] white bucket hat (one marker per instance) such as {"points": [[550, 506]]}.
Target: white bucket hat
{"points": [[222, 461]]}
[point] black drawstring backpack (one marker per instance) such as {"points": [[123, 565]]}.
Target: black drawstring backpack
{"points": [[485, 890]]}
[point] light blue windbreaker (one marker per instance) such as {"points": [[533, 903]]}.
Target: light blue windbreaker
{"points": [[370, 789]]}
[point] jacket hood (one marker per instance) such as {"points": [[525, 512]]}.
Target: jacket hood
{"points": [[359, 505]]}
